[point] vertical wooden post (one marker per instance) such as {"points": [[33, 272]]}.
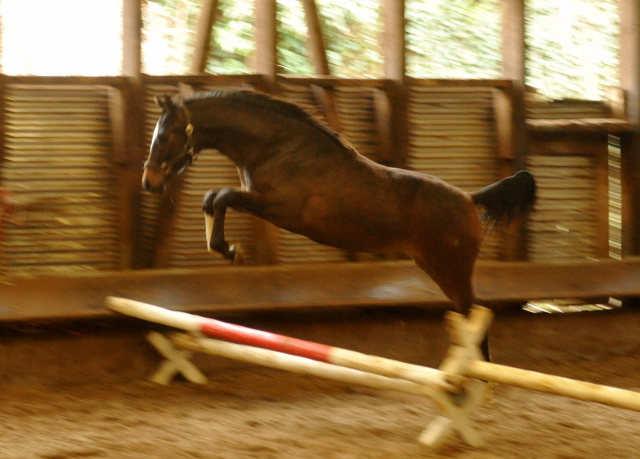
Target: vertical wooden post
{"points": [[266, 43], [203, 36], [267, 235], [323, 96], [3, 97], [395, 70], [513, 61], [630, 143], [130, 104]]}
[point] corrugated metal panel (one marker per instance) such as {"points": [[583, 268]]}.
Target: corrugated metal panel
{"points": [[57, 160], [293, 248], [563, 225], [356, 112], [452, 136]]}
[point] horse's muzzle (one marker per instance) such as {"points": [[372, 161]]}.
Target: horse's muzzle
{"points": [[153, 181]]}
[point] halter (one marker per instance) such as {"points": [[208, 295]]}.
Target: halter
{"points": [[180, 163]]}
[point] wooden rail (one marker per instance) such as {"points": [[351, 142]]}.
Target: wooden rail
{"points": [[230, 289]]}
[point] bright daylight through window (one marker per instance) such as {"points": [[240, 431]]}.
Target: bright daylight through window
{"points": [[62, 37]]}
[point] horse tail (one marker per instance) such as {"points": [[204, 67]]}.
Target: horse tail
{"points": [[509, 198]]}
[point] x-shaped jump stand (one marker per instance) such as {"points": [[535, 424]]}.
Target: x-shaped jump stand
{"points": [[456, 399]]}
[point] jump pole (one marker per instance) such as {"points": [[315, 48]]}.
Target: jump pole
{"points": [[292, 346], [463, 365]]}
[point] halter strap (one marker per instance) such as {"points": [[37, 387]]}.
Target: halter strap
{"points": [[180, 163]]}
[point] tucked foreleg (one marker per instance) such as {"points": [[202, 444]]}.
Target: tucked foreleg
{"points": [[215, 204]]}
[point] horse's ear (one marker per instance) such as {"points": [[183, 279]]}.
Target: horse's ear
{"points": [[159, 102], [178, 100]]}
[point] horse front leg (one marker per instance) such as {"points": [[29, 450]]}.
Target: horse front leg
{"points": [[215, 203]]}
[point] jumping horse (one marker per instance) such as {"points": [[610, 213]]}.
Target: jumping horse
{"points": [[300, 175]]}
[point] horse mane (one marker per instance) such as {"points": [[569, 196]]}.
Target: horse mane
{"points": [[305, 114]]}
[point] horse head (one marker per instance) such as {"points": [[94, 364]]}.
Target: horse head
{"points": [[172, 149]]}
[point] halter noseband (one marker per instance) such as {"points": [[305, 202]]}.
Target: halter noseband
{"points": [[179, 164]]}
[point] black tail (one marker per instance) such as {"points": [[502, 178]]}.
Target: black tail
{"points": [[510, 197]]}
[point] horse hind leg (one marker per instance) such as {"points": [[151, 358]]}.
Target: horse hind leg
{"points": [[454, 276]]}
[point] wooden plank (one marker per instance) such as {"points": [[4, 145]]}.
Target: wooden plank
{"points": [[332, 81], [589, 125], [460, 82], [65, 81], [307, 286], [203, 36], [208, 79]]}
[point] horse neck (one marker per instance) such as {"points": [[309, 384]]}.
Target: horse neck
{"points": [[236, 131]]}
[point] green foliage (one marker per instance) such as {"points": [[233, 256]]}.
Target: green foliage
{"points": [[573, 45], [453, 38], [232, 48], [353, 36]]}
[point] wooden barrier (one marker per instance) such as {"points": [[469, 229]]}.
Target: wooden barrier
{"points": [[457, 387]]}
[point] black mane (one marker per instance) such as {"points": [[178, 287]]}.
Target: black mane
{"points": [[281, 106]]}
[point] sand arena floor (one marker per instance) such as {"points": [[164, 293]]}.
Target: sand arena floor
{"points": [[80, 392]]}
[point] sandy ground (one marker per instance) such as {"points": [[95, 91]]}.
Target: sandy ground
{"points": [[82, 394]]}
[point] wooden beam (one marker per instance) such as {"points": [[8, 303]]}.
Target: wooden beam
{"points": [[460, 82], [266, 43], [328, 81], [324, 97], [513, 62], [132, 37], [267, 235], [130, 107], [587, 126], [315, 40], [229, 289], [203, 36], [630, 143], [394, 54]]}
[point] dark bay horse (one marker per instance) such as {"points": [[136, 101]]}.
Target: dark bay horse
{"points": [[300, 175]]}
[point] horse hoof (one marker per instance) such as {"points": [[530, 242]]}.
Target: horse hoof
{"points": [[237, 256]]}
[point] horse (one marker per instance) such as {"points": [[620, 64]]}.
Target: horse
{"points": [[300, 175]]}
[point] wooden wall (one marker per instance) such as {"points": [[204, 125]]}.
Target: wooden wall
{"points": [[72, 149]]}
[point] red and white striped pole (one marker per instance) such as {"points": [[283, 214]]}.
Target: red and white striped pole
{"points": [[293, 346]]}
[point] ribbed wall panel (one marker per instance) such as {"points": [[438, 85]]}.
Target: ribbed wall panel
{"points": [[563, 225], [58, 145], [452, 136]]}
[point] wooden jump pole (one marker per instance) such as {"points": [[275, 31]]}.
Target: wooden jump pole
{"points": [[296, 364], [292, 346], [463, 366], [557, 385]]}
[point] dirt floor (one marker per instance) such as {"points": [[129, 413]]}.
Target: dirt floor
{"points": [[79, 392]]}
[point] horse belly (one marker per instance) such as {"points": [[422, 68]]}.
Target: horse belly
{"points": [[354, 226]]}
